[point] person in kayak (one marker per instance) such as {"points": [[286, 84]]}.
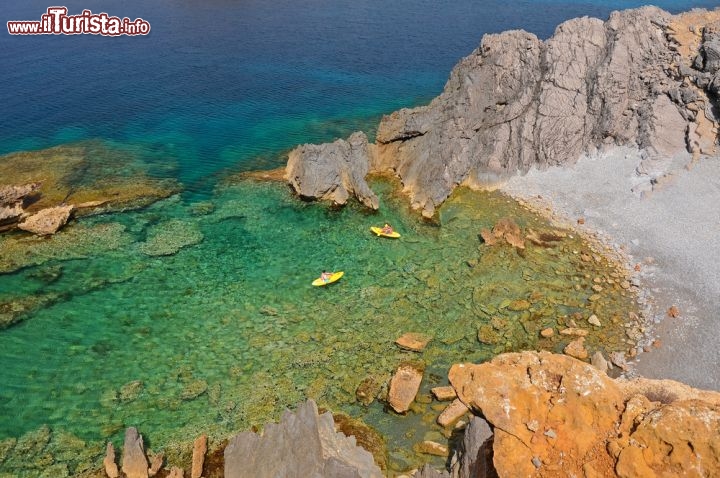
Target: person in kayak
{"points": [[387, 229], [325, 276]]}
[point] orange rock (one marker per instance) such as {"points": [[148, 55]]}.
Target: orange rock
{"points": [[432, 448], [413, 341], [557, 416], [404, 386], [673, 312], [444, 393], [549, 332], [198, 456], [577, 349], [452, 413], [581, 220], [574, 399]]}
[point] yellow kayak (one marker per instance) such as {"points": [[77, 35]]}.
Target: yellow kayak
{"points": [[378, 231], [333, 278]]}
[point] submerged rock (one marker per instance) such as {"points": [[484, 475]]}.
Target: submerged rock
{"points": [[169, 237], [413, 341], [303, 444], [504, 230]]}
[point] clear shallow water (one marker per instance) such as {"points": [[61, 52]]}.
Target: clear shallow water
{"points": [[228, 332], [231, 85]]}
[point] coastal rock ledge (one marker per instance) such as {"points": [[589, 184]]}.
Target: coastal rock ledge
{"points": [[553, 415], [643, 78]]}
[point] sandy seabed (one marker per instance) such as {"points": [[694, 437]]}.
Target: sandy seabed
{"points": [[673, 231]]}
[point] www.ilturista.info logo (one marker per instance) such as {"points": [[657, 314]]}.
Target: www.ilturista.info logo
{"points": [[57, 22]]}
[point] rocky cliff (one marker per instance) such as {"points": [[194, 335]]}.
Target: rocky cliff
{"points": [[643, 77]]}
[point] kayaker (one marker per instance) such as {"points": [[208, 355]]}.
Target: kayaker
{"points": [[325, 276], [387, 229]]}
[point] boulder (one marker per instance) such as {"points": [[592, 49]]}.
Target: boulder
{"points": [[473, 456], [452, 413], [198, 456], [577, 349], [303, 444], [553, 414], [404, 386], [333, 171], [504, 230], [444, 393], [428, 447], [134, 462], [47, 221]]}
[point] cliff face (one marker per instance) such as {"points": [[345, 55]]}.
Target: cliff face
{"points": [[644, 78]]}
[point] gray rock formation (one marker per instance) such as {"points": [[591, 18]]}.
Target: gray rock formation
{"points": [[11, 203], [517, 102], [304, 445], [473, 458], [134, 462], [333, 171]]}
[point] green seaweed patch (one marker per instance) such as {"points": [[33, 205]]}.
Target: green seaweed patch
{"points": [[83, 240], [169, 237]]}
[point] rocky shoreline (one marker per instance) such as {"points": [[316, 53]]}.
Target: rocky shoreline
{"points": [[521, 414]]}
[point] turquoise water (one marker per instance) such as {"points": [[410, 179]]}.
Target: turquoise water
{"points": [[226, 331]]}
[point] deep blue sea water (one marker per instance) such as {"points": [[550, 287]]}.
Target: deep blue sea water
{"points": [[231, 85]]}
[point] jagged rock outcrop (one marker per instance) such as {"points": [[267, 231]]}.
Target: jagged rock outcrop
{"points": [[333, 171], [554, 414], [11, 203], [473, 458], [518, 102], [134, 462], [304, 445], [47, 221]]}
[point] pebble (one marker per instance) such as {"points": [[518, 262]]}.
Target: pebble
{"points": [[549, 332], [551, 434], [593, 320], [536, 461]]}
